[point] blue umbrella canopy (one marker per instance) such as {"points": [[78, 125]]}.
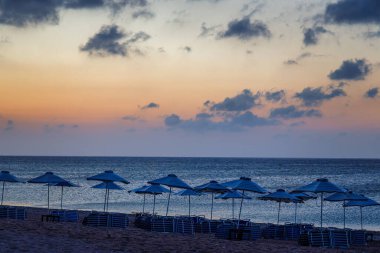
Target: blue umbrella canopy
{"points": [[343, 196], [139, 189], [108, 186], [109, 176], [280, 196], [321, 185], [244, 184], [232, 195], [212, 186], [47, 178], [361, 203], [5, 176], [303, 196], [188, 192], [153, 189], [171, 181], [64, 184]]}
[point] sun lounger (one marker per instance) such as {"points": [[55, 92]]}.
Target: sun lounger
{"points": [[66, 215], [319, 237], [114, 220], [13, 212], [340, 238], [358, 237], [184, 225]]}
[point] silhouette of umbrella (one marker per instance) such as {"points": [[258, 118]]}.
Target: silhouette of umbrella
{"points": [[244, 184], [171, 181], [211, 187], [344, 196], [107, 186], [108, 176], [153, 189], [5, 176], [188, 192], [303, 197], [232, 195], [361, 204], [321, 185], [48, 178], [64, 184], [280, 196], [138, 191]]}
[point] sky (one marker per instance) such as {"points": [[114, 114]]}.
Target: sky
{"points": [[229, 78]]}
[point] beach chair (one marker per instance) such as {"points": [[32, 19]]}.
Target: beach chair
{"points": [[208, 226], [96, 220], [223, 231], [358, 238], [274, 232], [184, 226], [162, 224], [12, 212], [339, 238], [292, 232], [319, 238], [66, 215]]}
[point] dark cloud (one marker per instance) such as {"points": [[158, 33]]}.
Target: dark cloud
{"points": [[31, 12], [316, 96], [84, 4], [241, 102], [172, 120], [112, 40], [208, 31], [130, 118], [244, 29], [292, 112], [353, 12], [297, 124], [114, 5], [248, 119], [275, 96], [356, 69], [187, 49], [299, 58], [290, 62], [311, 35], [143, 14], [372, 93], [151, 105], [10, 125]]}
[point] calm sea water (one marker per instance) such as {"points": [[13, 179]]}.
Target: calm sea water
{"points": [[361, 176]]}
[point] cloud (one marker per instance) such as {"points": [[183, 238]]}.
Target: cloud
{"points": [[356, 69], [353, 12], [292, 112], [297, 124], [108, 42], [299, 58], [146, 14], [32, 12], [208, 31], [151, 105], [10, 125], [311, 35], [290, 62], [114, 5], [372, 93], [370, 35], [244, 29], [204, 122], [241, 102], [84, 4], [316, 96], [130, 118], [275, 96], [187, 49]]}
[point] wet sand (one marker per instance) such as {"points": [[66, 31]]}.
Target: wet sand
{"points": [[32, 235]]}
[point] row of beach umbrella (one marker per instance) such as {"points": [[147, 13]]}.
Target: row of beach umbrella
{"points": [[235, 189]]}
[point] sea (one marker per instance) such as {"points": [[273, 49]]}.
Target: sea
{"points": [[359, 175]]}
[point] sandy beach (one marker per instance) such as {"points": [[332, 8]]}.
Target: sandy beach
{"points": [[32, 235]]}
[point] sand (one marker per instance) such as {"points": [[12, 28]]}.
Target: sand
{"points": [[32, 235]]}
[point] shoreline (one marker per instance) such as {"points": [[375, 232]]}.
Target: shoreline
{"points": [[32, 235]]}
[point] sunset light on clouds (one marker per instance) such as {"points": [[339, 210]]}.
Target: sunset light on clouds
{"points": [[190, 78]]}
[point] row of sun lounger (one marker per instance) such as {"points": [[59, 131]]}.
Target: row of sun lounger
{"points": [[12, 212], [112, 220], [336, 238]]}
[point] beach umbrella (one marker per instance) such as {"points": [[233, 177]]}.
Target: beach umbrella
{"points": [[321, 185], [171, 181], [108, 176], [244, 184], [303, 197], [232, 195], [48, 178], [280, 196], [189, 193], [5, 176], [361, 204], [107, 186], [343, 197], [138, 191], [211, 187], [153, 189], [64, 184]]}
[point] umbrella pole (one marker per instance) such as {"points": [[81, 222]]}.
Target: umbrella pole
{"points": [[48, 197], [278, 214], [295, 214], [212, 203], [344, 214], [189, 206], [105, 201], [241, 205], [154, 202], [108, 198], [144, 203], [361, 217], [167, 207], [321, 208], [233, 208], [61, 197], [2, 193]]}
